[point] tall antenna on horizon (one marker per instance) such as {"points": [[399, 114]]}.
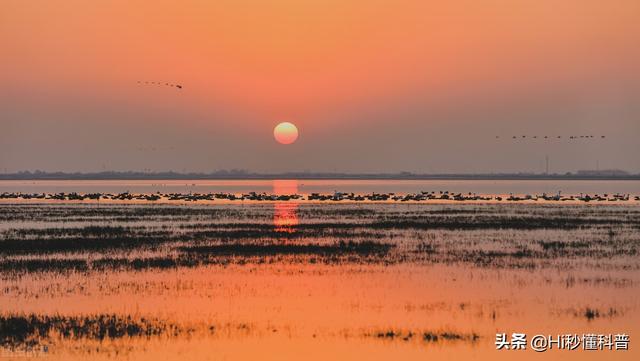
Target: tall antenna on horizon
{"points": [[546, 159]]}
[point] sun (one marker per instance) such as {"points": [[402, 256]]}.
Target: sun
{"points": [[285, 133]]}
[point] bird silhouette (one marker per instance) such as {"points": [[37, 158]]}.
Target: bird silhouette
{"points": [[162, 84], [571, 137]]}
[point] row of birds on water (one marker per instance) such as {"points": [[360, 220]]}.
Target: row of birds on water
{"points": [[557, 137], [178, 86], [336, 196]]}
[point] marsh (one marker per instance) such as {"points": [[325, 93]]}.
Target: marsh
{"points": [[381, 278]]}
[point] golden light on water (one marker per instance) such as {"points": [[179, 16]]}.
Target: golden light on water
{"points": [[285, 133], [285, 217]]}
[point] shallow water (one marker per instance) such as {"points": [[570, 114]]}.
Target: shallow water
{"points": [[273, 281], [323, 186]]}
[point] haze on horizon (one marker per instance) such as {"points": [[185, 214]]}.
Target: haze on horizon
{"points": [[373, 86]]}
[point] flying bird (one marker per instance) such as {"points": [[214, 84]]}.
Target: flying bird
{"points": [[571, 137], [162, 84]]}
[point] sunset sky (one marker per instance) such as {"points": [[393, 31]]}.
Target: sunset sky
{"points": [[373, 86]]}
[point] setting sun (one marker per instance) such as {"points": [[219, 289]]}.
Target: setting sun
{"points": [[285, 133]]}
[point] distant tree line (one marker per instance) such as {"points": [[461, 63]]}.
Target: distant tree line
{"points": [[244, 174]]}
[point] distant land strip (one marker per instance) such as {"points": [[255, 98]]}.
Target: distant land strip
{"points": [[241, 174]]}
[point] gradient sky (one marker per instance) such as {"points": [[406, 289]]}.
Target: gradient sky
{"points": [[373, 86]]}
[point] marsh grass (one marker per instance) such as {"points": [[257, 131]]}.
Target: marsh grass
{"points": [[86, 237], [591, 313], [340, 248], [424, 336], [31, 329]]}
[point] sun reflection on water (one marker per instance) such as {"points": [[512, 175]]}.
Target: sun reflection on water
{"points": [[285, 217]]}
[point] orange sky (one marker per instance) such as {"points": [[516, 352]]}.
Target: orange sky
{"points": [[246, 65]]}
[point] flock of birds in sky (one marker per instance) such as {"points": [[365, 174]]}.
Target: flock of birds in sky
{"points": [[571, 137], [178, 86], [556, 137]]}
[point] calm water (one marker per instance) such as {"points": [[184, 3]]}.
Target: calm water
{"points": [[325, 186]]}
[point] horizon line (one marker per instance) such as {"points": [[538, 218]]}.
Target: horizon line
{"points": [[609, 174]]}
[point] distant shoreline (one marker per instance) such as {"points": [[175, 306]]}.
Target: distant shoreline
{"points": [[307, 176]]}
